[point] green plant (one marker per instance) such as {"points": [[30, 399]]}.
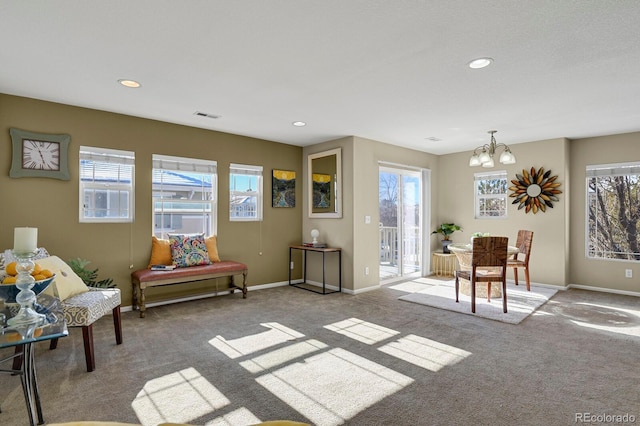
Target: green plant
{"points": [[446, 229], [79, 266]]}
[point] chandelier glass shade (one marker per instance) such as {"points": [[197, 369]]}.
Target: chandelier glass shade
{"points": [[483, 155]]}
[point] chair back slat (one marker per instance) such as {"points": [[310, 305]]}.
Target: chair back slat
{"points": [[490, 251], [523, 242]]}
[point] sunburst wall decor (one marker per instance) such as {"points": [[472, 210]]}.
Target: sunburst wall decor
{"points": [[535, 190]]}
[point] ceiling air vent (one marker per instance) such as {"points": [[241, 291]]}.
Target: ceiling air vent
{"points": [[433, 139], [204, 114]]}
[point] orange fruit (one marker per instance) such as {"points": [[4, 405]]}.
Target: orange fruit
{"points": [[39, 277], [47, 273], [11, 268], [36, 269], [9, 280]]}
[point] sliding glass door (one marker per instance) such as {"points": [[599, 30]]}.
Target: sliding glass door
{"points": [[401, 235]]}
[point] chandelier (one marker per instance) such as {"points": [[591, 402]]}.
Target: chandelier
{"points": [[483, 155]]}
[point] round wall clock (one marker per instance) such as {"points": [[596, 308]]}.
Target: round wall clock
{"points": [[39, 155], [535, 190]]}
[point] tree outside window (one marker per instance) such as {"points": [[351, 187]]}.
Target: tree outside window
{"points": [[491, 195], [613, 211]]}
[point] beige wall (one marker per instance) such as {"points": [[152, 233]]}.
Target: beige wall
{"points": [[52, 205], [359, 241], [588, 272], [367, 157], [455, 203]]}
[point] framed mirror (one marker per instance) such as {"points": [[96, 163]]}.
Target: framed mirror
{"points": [[324, 171]]}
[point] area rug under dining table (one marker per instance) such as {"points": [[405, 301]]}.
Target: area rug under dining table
{"points": [[442, 294]]}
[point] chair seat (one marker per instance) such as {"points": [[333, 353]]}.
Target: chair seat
{"points": [[515, 262], [86, 308]]}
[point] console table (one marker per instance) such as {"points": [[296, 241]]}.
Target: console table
{"points": [[324, 251]]}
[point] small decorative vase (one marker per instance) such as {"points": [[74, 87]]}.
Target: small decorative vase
{"points": [[445, 246]]}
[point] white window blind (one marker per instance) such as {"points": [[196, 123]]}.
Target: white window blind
{"points": [[184, 195], [106, 185], [490, 195], [245, 192]]}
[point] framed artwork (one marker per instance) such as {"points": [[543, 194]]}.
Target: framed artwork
{"points": [[283, 189], [535, 190], [39, 155], [321, 191]]}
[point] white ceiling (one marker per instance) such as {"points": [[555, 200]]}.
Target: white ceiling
{"points": [[393, 71]]}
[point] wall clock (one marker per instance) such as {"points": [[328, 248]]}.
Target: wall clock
{"points": [[39, 155], [535, 190]]}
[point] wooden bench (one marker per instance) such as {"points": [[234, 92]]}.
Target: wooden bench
{"points": [[144, 278]]}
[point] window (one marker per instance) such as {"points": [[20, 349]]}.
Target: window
{"points": [[245, 192], [106, 185], [613, 211], [184, 196], [491, 195]]}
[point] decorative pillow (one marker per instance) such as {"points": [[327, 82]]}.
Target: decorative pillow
{"points": [[188, 250], [67, 282], [212, 248], [160, 252]]}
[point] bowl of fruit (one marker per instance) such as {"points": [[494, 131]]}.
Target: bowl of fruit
{"points": [[8, 288]]}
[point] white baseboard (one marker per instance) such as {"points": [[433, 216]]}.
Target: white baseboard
{"points": [[604, 290]]}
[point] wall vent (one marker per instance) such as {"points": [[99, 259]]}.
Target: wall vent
{"points": [[204, 114]]}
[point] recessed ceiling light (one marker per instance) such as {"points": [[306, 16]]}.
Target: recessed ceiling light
{"points": [[480, 63], [129, 83], [299, 123]]}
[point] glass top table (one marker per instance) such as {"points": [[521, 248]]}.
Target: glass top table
{"points": [[53, 328]]}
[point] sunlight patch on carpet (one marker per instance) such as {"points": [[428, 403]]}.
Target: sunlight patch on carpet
{"points": [[520, 302], [178, 398], [362, 331], [334, 386], [602, 317], [276, 335], [281, 356], [425, 353]]}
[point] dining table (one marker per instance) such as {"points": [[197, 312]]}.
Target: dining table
{"points": [[464, 254]]}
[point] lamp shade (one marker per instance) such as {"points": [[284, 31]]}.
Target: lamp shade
{"points": [[474, 161], [484, 157], [489, 163], [507, 157]]}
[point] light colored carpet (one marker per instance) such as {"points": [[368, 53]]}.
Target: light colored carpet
{"points": [[442, 294]]}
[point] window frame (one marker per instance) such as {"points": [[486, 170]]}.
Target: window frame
{"points": [[111, 157], [483, 176], [191, 169], [607, 171], [258, 193]]}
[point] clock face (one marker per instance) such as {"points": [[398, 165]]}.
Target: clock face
{"points": [[40, 155]]}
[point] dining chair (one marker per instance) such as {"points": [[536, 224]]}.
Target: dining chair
{"points": [[523, 242], [488, 264]]}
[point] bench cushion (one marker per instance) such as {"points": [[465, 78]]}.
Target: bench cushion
{"points": [[146, 277]]}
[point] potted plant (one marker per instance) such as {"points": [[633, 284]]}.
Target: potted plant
{"points": [[446, 229]]}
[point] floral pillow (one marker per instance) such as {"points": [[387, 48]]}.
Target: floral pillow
{"points": [[188, 250]]}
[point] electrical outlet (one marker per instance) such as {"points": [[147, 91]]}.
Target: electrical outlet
{"points": [[366, 270], [291, 266], [367, 220], [628, 273]]}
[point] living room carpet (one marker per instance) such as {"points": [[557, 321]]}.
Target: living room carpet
{"points": [[442, 294]]}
